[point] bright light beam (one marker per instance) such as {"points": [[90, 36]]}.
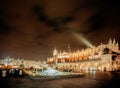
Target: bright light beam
{"points": [[82, 39]]}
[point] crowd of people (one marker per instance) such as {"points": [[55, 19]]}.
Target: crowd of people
{"points": [[11, 72]]}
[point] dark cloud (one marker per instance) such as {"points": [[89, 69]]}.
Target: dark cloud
{"points": [[31, 29], [4, 28], [1, 14], [97, 22], [38, 10], [54, 23]]}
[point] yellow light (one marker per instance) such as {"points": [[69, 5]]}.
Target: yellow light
{"points": [[81, 38]]}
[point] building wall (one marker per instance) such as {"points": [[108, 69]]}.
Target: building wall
{"points": [[101, 64], [95, 58]]}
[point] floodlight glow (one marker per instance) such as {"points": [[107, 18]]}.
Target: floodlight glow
{"points": [[81, 38]]}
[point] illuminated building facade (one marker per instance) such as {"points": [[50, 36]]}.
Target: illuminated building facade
{"points": [[101, 58], [20, 63]]}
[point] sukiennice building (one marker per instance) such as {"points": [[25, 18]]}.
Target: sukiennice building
{"points": [[104, 57]]}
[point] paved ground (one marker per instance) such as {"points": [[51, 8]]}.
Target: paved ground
{"points": [[93, 80]]}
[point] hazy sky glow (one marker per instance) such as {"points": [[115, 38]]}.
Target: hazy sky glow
{"points": [[83, 40], [31, 29]]}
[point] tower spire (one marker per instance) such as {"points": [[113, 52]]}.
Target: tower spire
{"points": [[117, 44], [110, 40], [55, 51], [69, 49], [114, 42]]}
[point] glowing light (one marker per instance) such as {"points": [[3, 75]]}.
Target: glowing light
{"points": [[51, 72], [55, 52], [83, 39]]}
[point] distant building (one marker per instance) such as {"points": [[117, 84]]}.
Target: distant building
{"points": [[102, 58], [20, 63]]}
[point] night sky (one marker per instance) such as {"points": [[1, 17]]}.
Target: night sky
{"points": [[31, 29]]}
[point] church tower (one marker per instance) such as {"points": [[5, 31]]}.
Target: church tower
{"points": [[69, 49], [109, 45], [55, 53]]}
